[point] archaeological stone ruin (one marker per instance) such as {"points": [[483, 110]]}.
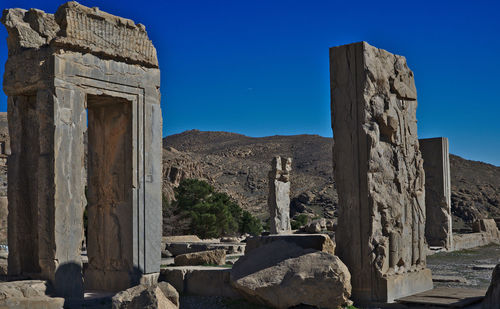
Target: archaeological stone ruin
{"points": [[438, 225], [83, 68], [279, 195], [379, 173]]}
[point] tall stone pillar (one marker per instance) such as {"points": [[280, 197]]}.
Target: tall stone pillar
{"points": [[60, 68], [278, 199], [379, 173], [438, 224]]}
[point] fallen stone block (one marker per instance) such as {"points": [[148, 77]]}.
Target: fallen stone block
{"points": [[26, 294], [37, 302], [178, 248], [211, 257], [180, 238], [200, 280], [147, 296], [320, 242], [281, 274]]}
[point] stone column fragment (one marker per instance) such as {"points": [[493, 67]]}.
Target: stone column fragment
{"points": [[379, 173], [438, 225], [279, 195]]}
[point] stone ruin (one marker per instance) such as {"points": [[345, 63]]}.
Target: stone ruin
{"points": [[379, 173], [438, 224], [64, 70], [278, 199], [4, 153]]}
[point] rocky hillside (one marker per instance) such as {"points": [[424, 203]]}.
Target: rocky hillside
{"points": [[238, 165]]}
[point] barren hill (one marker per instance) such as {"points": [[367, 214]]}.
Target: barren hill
{"points": [[239, 164]]}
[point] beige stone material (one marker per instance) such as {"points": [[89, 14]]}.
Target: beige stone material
{"points": [[486, 225], [438, 224], [278, 199], [281, 274], [82, 66], [143, 296], [80, 28], [180, 238], [200, 280], [379, 173], [210, 257]]}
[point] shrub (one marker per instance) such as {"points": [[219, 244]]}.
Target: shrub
{"points": [[299, 221]]}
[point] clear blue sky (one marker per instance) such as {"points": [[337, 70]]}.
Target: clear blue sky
{"points": [[261, 67]]}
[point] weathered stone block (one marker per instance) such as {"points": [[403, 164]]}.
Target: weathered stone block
{"points": [[320, 242], [438, 223], [379, 173], [200, 280], [210, 257]]}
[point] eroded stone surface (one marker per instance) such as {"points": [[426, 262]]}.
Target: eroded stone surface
{"points": [[379, 173], [279, 195], [80, 28], [210, 257], [320, 242], [282, 275], [69, 67], [143, 296], [438, 225]]}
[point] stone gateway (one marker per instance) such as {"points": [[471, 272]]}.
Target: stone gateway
{"points": [[61, 68], [379, 173]]}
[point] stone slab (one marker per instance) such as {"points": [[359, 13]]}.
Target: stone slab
{"points": [[200, 280], [447, 297], [37, 302], [178, 248], [320, 242]]}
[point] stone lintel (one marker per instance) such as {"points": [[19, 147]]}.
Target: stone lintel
{"points": [[80, 28]]}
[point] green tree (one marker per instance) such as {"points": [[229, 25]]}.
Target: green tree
{"points": [[212, 214]]}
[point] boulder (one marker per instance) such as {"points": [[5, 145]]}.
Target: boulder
{"points": [[28, 294], [170, 292], [319, 242], [157, 296], [211, 257], [281, 274], [492, 298]]}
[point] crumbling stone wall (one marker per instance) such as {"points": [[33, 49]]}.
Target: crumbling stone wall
{"points": [[58, 66], [379, 173]]}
